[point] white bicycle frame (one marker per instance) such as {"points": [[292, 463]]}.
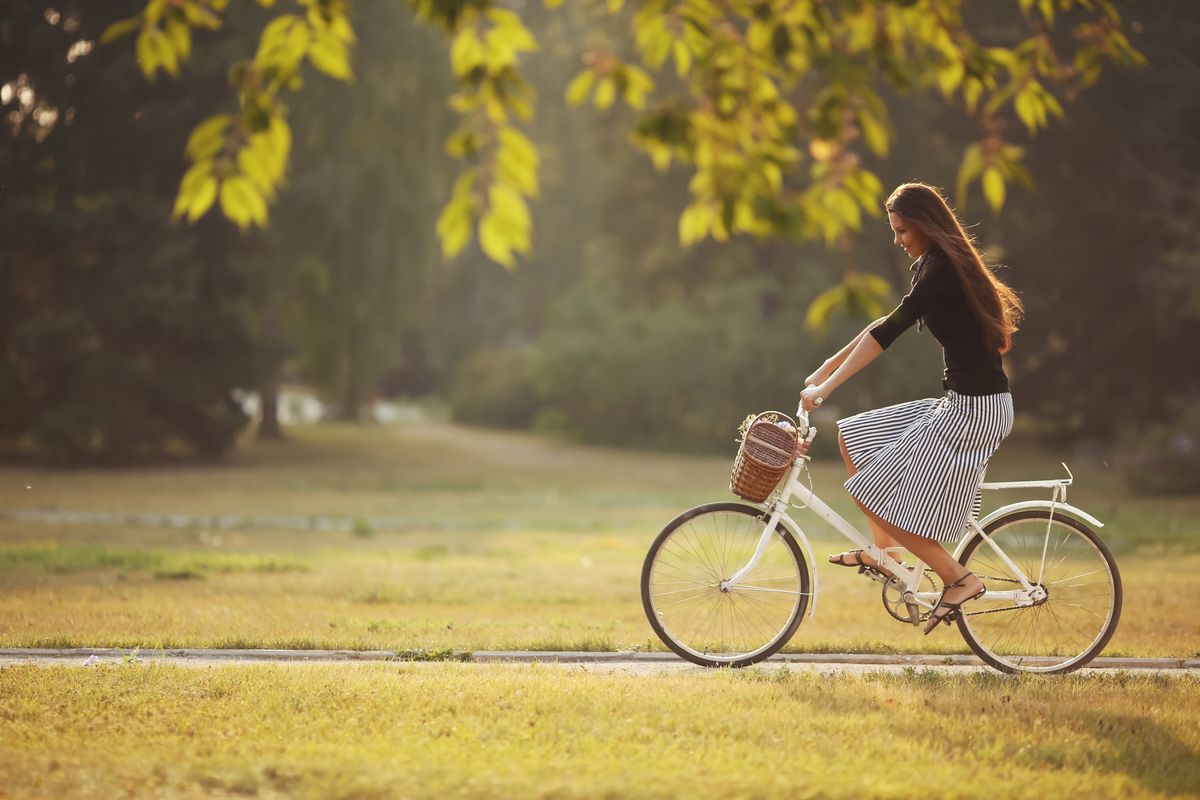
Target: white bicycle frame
{"points": [[1031, 590]]}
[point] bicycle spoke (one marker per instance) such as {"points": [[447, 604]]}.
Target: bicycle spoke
{"points": [[1074, 618], [684, 586]]}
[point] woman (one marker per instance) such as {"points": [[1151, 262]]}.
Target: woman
{"points": [[915, 467]]}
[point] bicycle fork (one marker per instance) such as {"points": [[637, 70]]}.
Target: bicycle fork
{"points": [[763, 540]]}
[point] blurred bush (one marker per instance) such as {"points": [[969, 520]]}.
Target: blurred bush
{"points": [[496, 386]]}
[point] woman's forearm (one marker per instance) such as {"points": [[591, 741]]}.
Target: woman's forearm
{"points": [[839, 358], [866, 349]]}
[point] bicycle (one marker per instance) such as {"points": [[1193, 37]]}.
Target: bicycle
{"points": [[728, 583]]}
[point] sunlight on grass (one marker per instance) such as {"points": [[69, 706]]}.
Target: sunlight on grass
{"points": [[501, 541], [429, 730]]}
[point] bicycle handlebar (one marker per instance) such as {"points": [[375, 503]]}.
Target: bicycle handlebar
{"points": [[801, 414]]}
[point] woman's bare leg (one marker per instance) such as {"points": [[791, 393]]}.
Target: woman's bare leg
{"points": [[936, 557], [878, 534], [928, 550]]}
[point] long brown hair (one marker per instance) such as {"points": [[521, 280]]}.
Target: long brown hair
{"points": [[995, 305]]}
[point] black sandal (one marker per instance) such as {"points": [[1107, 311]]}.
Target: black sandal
{"points": [[863, 567], [954, 608]]}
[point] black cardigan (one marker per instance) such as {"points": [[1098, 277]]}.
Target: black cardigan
{"points": [[937, 299]]}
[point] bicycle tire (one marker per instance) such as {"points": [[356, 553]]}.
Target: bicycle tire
{"points": [[999, 635], [694, 542]]}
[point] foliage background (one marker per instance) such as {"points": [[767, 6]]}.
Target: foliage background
{"points": [[124, 334]]}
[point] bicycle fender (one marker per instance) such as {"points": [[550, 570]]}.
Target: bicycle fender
{"points": [[798, 534], [1065, 509]]}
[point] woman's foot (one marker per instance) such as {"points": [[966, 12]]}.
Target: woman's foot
{"points": [[966, 588], [858, 558]]}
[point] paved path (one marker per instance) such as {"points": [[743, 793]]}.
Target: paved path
{"points": [[636, 663]]}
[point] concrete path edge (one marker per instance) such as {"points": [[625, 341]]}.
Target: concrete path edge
{"points": [[526, 656]]}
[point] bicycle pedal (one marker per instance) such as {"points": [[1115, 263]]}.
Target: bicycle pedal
{"points": [[873, 574], [914, 611]]}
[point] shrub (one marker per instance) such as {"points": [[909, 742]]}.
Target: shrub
{"points": [[495, 386]]}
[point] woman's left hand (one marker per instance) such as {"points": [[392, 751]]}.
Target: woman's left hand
{"points": [[814, 396]]}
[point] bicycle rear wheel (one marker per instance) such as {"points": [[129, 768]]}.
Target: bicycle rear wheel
{"points": [[682, 595], [1082, 606]]}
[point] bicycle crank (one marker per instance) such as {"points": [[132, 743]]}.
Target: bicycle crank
{"points": [[901, 605]]}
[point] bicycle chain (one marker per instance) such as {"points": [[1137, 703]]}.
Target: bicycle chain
{"points": [[925, 615], [994, 610]]}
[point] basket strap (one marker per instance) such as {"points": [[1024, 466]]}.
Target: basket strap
{"points": [[778, 414]]}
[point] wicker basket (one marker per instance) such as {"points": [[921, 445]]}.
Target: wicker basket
{"points": [[767, 450]]}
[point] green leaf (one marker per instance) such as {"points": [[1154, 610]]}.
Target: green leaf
{"points": [[507, 204], [272, 147], [195, 176], [202, 199], [606, 92], [464, 186], [821, 309], [773, 175], [180, 35], [208, 138], [1047, 9], [517, 172], [993, 188], [875, 133], [842, 204], [242, 203], [454, 226], [972, 90], [1027, 106], [696, 222], [154, 12], [683, 59], [867, 294], [329, 55], [523, 149], [759, 34], [1050, 102], [462, 143], [168, 58], [467, 52], [971, 166], [340, 28], [147, 54], [496, 245], [199, 16], [865, 187], [252, 165], [580, 85], [119, 28], [950, 76]]}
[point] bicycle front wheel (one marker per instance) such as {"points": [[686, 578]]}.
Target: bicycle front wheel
{"points": [[1081, 606], [713, 626]]}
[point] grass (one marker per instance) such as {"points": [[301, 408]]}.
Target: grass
{"points": [[51, 557], [435, 730], [492, 541]]}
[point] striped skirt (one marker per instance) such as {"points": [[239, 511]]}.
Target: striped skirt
{"points": [[919, 464]]}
